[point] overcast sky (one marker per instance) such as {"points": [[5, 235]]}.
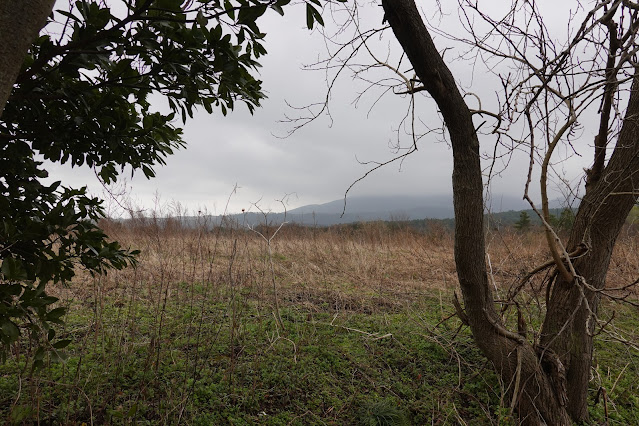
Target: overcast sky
{"points": [[241, 158]]}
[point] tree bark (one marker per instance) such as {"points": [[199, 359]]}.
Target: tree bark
{"points": [[20, 23], [569, 322], [540, 397]]}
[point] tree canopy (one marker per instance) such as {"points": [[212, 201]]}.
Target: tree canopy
{"points": [[82, 97]]}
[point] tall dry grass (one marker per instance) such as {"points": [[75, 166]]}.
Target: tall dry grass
{"points": [[364, 260], [201, 284]]}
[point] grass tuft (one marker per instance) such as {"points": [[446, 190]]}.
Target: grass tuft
{"points": [[382, 412]]}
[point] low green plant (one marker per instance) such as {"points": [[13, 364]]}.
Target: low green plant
{"points": [[382, 412]]}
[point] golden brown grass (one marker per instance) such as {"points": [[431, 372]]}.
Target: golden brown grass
{"points": [[207, 307], [363, 266]]}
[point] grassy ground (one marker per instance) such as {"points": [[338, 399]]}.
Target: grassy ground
{"points": [[311, 326]]}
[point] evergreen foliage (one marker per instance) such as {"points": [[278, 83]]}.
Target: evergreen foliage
{"points": [[83, 98], [524, 221]]}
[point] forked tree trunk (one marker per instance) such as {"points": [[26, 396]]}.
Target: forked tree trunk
{"points": [[536, 377], [20, 23], [570, 322]]}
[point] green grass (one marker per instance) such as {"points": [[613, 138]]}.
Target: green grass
{"points": [[616, 369], [228, 363]]}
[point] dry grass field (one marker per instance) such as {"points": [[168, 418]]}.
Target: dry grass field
{"points": [[363, 266], [294, 325]]}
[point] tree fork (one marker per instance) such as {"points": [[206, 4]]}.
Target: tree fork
{"points": [[539, 398], [601, 140], [572, 308]]}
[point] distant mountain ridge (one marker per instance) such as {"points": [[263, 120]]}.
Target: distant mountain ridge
{"points": [[366, 209], [382, 208], [371, 208]]}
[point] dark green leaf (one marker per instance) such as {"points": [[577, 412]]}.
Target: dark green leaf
{"points": [[61, 344], [133, 410], [10, 330], [278, 9], [309, 16], [13, 269], [250, 14], [172, 5], [55, 314]]}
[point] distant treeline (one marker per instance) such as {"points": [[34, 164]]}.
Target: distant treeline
{"points": [[519, 220], [501, 220], [494, 220]]}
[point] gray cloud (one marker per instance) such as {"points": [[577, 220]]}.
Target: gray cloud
{"points": [[318, 162]]}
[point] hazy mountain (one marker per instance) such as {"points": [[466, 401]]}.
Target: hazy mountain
{"points": [[363, 209], [383, 208], [359, 209]]}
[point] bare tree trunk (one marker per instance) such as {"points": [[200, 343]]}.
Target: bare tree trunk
{"points": [[570, 322], [537, 385], [20, 23]]}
